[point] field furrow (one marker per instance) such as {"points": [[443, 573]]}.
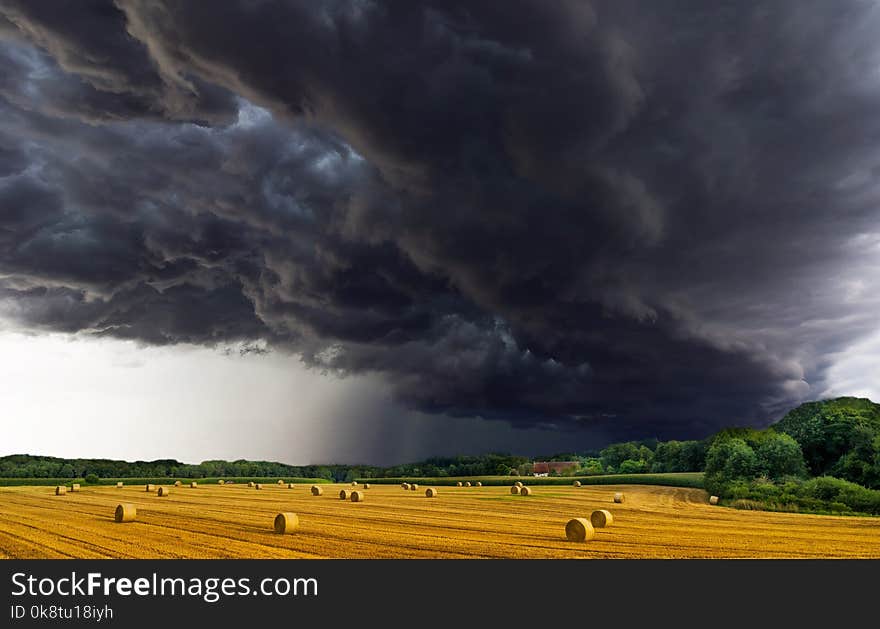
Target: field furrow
{"points": [[214, 521]]}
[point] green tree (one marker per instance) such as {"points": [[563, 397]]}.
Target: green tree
{"points": [[617, 453], [830, 429], [667, 457], [631, 466], [592, 466], [780, 455], [731, 459]]}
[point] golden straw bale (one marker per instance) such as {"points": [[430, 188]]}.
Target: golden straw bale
{"points": [[579, 530], [177, 483], [467, 484], [713, 500], [458, 484], [479, 484], [357, 496], [518, 484], [258, 486], [60, 490], [193, 485], [74, 487], [125, 513], [163, 491], [525, 491], [250, 483], [366, 485], [286, 522], [577, 483], [221, 482], [344, 494], [430, 492], [317, 491], [290, 485], [514, 490], [601, 518], [414, 487], [618, 497], [119, 485], [405, 486]]}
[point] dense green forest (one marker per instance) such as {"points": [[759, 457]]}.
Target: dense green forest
{"points": [[822, 456]]}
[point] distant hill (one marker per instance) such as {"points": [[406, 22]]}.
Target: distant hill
{"points": [[30, 466], [839, 437]]}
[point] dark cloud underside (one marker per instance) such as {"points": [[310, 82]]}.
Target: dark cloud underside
{"points": [[653, 217]]}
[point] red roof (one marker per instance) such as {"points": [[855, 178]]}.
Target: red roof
{"points": [[545, 467]]}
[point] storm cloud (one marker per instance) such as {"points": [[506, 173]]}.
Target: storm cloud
{"points": [[644, 218]]}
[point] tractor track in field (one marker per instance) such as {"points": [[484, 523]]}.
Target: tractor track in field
{"points": [[214, 521]]}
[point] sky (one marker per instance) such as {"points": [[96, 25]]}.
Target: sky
{"points": [[373, 232]]}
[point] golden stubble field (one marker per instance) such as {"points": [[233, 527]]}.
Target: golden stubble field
{"points": [[215, 521]]}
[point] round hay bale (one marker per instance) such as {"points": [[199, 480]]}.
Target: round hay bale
{"points": [[290, 485], [150, 488], [221, 482], [354, 483], [193, 485], [258, 486], [467, 484], [579, 530], [518, 484], [525, 491], [713, 500], [357, 496], [601, 518], [618, 498], [414, 487], [577, 483], [250, 483], [317, 491], [479, 484], [60, 490], [344, 494], [458, 484], [286, 522], [514, 490], [280, 482], [177, 483], [125, 513], [430, 492], [119, 485], [74, 487], [163, 491], [366, 485], [405, 486]]}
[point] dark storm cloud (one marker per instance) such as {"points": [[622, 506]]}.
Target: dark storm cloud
{"points": [[587, 214], [86, 64]]}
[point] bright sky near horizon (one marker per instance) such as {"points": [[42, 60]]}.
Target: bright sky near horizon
{"points": [[88, 398]]}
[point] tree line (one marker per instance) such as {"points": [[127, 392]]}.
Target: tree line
{"points": [[820, 455]]}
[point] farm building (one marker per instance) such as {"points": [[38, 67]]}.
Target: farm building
{"points": [[545, 468]]}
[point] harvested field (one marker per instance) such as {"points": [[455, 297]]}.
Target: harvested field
{"points": [[488, 522]]}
